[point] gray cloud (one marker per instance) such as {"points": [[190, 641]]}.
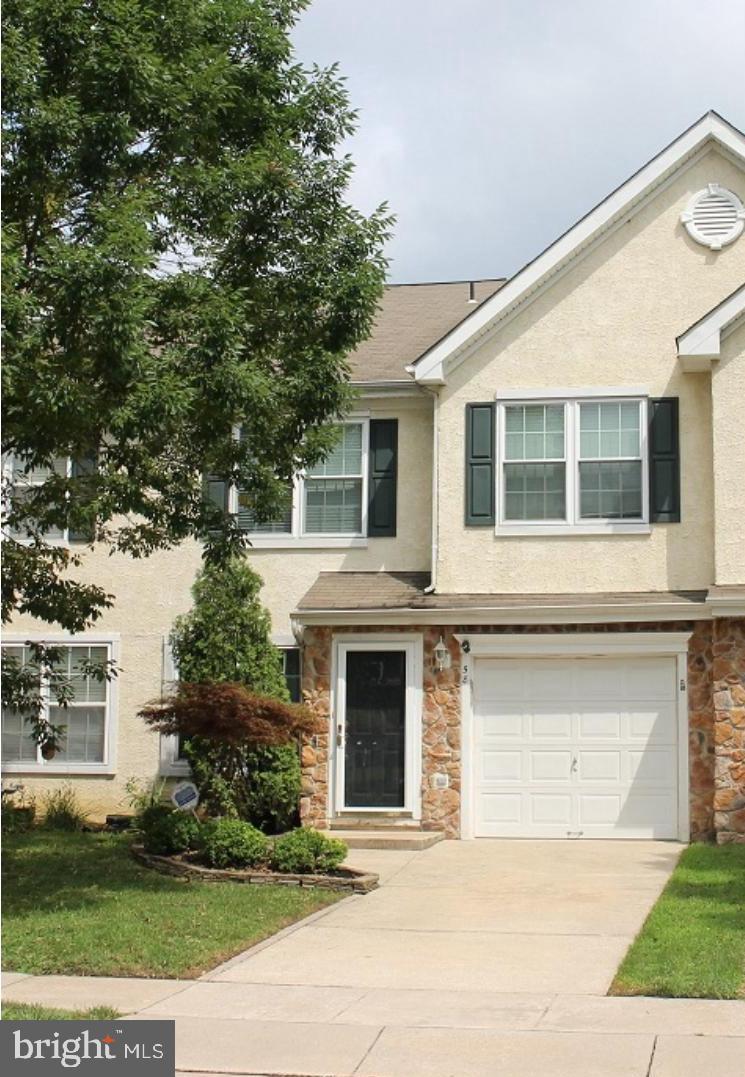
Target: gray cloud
{"points": [[490, 126]]}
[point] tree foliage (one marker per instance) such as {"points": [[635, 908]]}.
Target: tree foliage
{"points": [[180, 259], [230, 715], [232, 706]]}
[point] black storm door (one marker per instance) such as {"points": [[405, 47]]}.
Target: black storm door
{"points": [[375, 735]]}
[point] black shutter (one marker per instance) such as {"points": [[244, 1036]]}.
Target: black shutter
{"points": [[381, 506], [87, 465], [664, 461], [480, 477]]}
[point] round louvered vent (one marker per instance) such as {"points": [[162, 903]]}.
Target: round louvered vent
{"points": [[714, 217]]}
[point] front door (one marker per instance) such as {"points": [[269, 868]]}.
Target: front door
{"points": [[374, 741]]}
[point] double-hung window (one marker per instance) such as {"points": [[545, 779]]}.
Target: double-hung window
{"points": [[328, 501], [22, 483], [572, 465], [88, 741], [333, 490]]}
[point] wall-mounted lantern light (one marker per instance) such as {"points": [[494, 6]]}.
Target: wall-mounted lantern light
{"points": [[442, 656]]}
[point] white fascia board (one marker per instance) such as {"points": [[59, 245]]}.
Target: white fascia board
{"points": [[445, 355], [700, 345], [609, 613]]}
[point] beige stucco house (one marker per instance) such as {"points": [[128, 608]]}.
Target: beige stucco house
{"points": [[516, 590]]}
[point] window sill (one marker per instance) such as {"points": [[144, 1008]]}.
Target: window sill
{"points": [[307, 542], [523, 530], [58, 769]]}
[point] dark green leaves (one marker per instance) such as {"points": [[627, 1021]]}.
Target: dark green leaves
{"points": [[180, 259]]}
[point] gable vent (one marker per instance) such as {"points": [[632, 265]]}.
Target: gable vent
{"points": [[714, 217]]}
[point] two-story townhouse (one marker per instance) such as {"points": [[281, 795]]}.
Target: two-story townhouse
{"points": [[516, 590]]}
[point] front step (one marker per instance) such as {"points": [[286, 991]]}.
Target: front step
{"points": [[375, 821], [391, 838]]}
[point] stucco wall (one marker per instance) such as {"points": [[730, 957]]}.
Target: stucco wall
{"points": [[728, 408], [610, 321], [151, 592]]}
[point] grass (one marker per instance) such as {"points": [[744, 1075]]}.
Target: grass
{"points": [[77, 903], [27, 1011], [692, 944]]}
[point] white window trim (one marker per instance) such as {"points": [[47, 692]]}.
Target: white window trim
{"points": [[578, 645], [112, 642], [572, 525], [8, 472], [298, 537], [413, 645], [171, 765]]}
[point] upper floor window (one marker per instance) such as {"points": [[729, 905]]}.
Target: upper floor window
{"points": [[572, 464], [22, 480], [88, 717], [329, 499]]}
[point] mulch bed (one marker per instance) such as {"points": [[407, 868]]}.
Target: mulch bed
{"points": [[357, 882]]}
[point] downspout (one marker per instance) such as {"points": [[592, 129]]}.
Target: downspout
{"points": [[435, 489]]}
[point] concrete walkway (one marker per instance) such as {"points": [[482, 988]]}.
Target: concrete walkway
{"points": [[472, 959]]}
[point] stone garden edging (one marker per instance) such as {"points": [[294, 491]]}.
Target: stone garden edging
{"points": [[349, 879]]}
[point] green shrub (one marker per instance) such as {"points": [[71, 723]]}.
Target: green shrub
{"points": [[305, 851], [18, 810], [166, 831], [62, 811], [17, 817], [231, 843], [273, 788]]}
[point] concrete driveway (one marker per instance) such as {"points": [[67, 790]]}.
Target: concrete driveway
{"points": [[473, 959], [501, 916]]}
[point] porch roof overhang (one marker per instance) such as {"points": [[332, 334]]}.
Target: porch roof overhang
{"points": [[701, 344], [401, 598]]}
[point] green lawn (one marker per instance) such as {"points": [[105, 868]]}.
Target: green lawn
{"points": [[26, 1011], [693, 942], [78, 904]]}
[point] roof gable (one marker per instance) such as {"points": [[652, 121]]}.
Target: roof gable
{"points": [[448, 353]]}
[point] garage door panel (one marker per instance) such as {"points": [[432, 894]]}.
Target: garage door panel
{"points": [[602, 808], [658, 765], [654, 725], [501, 724], [501, 808], [550, 766], [651, 679], [651, 811], [549, 724], [551, 808], [576, 746], [499, 766], [597, 724], [599, 765], [596, 679]]}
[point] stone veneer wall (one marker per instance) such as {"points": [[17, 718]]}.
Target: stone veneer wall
{"points": [[716, 683]]}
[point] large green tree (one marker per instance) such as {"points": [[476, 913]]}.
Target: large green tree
{"points": [[180, 261]]}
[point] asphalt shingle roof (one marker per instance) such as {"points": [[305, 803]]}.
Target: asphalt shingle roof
{"points": [[411, 318], [406, 590]]}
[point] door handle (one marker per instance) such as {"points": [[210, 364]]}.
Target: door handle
{"points": [[339, 736], [574, 764]]}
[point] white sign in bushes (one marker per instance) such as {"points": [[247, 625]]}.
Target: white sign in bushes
{"points": [[185, 796]]}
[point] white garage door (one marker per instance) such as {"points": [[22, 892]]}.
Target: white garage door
{"points": [[575, 747]]}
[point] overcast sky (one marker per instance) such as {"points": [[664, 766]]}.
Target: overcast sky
{"points": [[490, 126]]}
